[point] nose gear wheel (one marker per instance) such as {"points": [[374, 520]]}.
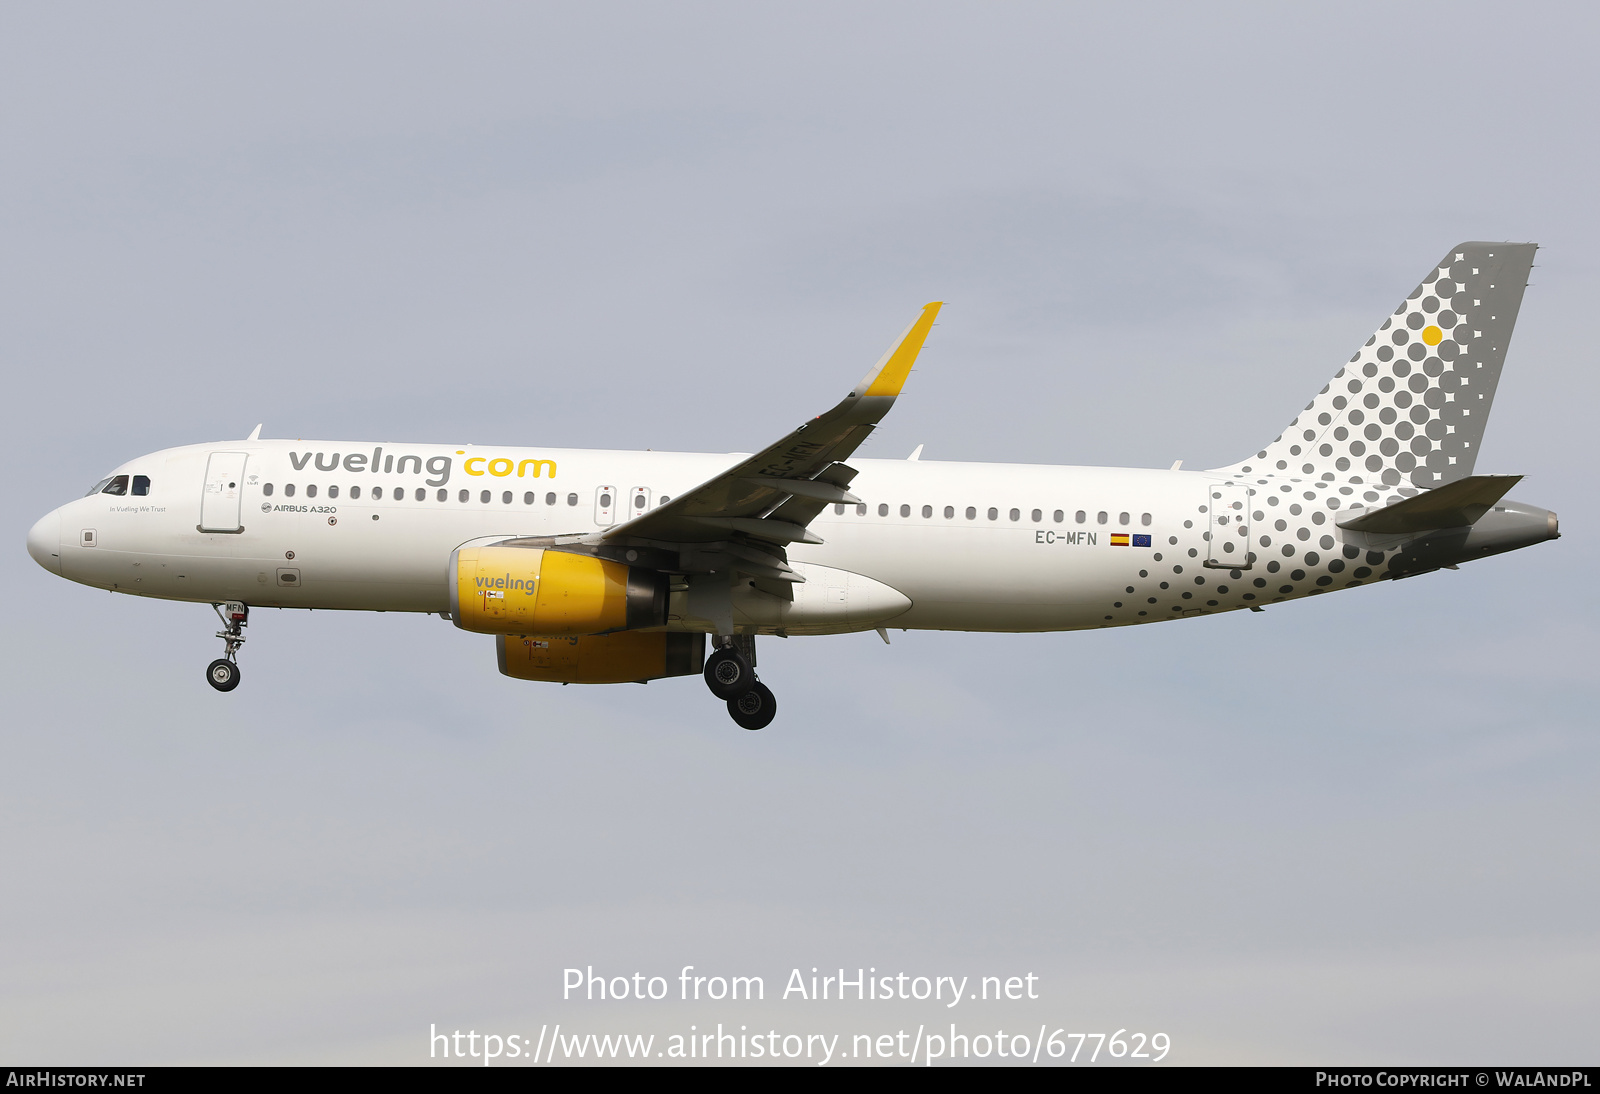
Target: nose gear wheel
{"points": [[222, 674]]}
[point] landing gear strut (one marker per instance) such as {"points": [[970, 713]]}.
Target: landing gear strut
{"points": [[731, 676], [223, 673]]}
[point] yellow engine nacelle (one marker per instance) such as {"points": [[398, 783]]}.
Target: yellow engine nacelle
{"points": [[619, 658], [530, 590]]}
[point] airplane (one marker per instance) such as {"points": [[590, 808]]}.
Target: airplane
{"points": [[611, 567]]}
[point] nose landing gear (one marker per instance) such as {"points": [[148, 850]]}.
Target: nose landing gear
{"points": [[223, 673], [731, 675]]}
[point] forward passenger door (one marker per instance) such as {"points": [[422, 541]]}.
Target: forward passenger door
{"points": [[223, 493]]}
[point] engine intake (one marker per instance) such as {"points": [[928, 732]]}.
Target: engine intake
{"points": [[533, 590]]}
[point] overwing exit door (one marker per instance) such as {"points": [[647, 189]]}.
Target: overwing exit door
{"points": [[1228, 524], [638, 502], [223, 493]]}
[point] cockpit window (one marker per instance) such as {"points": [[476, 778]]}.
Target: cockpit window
{"points": [[117, 486], [141, 485], [99, 486]]}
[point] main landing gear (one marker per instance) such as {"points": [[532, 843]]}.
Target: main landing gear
{"points": [[223, 673], [731, 675]]}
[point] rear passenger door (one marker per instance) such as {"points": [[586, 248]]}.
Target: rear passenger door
{"points": [[1228, 524]]}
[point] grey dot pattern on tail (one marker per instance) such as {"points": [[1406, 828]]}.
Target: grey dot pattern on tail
{"points": [[1411, 405]]}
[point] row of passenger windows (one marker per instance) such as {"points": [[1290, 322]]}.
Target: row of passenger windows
{"points": [[398, 493], [140, 486], [1059, 516], [119, 486]]}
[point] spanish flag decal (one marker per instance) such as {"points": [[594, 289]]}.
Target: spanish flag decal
{"points": [[1119, 539]]}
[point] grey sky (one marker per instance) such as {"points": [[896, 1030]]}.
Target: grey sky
{"points": [[1353, 829]]}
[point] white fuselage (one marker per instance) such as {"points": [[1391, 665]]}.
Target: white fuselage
{"points": [[981, 547]]}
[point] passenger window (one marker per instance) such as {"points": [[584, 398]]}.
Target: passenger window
{"points": [[838, 509], [927, 510], [905, 510], [1058, 516], [662, 500], [464, 495], [572, 499], [141, 485], [549, 499], [883, 510], [1101, 517], [422, 495], [266, 490], [311, 491], [333, 491], [527, 499], [994, 514], [605, 501], [638, 501], [443, 495], [97, 487], [398, 493], [355, 492], [288, 489], [505, 498], [949, 512], [484, 497], [1037, 516], [1016, 514], [1144, 519], [1080, 516], [1122, 518], [377, 492], [861, 510], [117, 486], [972, 513]]}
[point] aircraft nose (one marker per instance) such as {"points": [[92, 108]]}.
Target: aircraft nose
{"points": [[44, 541]]}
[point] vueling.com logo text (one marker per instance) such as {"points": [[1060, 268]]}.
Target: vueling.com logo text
{"points": [[500, 467], [381, 463]]}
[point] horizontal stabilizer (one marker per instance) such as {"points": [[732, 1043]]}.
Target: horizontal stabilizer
{"points": [[1454, 505]]}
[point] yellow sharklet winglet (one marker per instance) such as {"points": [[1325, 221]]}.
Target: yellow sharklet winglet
{"points": [[890, 374]]}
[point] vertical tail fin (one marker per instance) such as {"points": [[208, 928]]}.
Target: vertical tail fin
{"points": [[1411, 405]]}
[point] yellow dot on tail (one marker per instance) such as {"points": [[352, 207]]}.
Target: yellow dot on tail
{"points": [[1432, 335]]}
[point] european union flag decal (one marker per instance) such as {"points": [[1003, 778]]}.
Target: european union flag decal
{"points": [[1141, 541]]}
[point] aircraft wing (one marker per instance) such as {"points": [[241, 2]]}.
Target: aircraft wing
{"points": [[767, 501]]}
